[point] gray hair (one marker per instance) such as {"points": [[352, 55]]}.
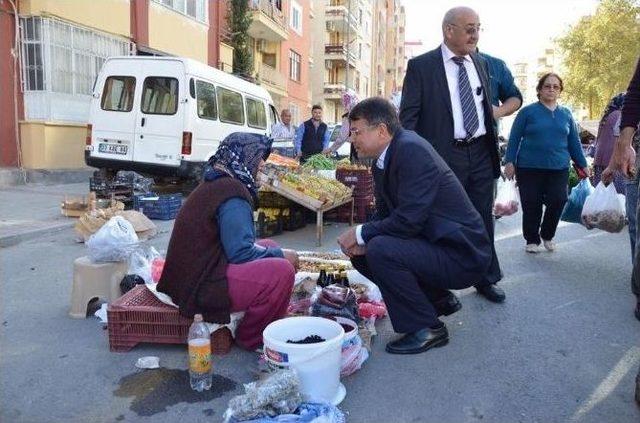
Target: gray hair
{"points": [[452, 14]]}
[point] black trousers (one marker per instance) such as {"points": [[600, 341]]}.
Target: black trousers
{"points": [[412, 275], [540, 187], [473, 166]]}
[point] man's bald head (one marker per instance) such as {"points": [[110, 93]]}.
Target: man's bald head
{"points": [[453, 16], [461, 30]]}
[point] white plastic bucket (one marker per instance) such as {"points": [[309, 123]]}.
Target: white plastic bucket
{"points": [[317, 365]]}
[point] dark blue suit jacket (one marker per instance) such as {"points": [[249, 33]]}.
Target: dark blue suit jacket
{"points": [[426, 104], [420, 197]]}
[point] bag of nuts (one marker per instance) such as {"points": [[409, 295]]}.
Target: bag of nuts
{"points": [[604, 210]]}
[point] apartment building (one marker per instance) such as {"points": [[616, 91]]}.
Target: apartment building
{"points": [[395, 57], [280, 33], [61, 45], [343, 48]]}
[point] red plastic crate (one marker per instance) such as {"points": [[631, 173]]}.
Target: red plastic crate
{"points": [[360, 180], [138, 316]]}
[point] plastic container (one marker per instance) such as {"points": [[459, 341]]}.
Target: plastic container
{"points": [[318, 364], [138, 316], [161, 207], [199, 355]]}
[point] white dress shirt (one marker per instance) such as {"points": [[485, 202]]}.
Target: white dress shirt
{"points": [[280, 131], [380, 165], [451, 69]]}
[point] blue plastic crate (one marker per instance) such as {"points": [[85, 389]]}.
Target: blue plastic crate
{"points": [[161, 207]]}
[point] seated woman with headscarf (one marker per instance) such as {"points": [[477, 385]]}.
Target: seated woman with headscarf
{"points": [[214, 266]]}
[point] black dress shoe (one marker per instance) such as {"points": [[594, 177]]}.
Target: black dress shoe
{"points": [[447, 306], [492, 293], [419, 341]]}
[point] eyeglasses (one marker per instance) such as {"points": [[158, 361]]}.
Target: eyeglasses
{"points": [[470, 30], [552, 87]]}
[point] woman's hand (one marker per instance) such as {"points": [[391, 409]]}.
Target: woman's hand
{"points": [[292, 257], [587, 171], [509, 171]]}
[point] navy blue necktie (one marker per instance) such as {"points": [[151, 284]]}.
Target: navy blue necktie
{"points": [[469, 112]]}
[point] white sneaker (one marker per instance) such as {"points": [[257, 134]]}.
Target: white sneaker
{"points": [[532, 248], [549, 245]]}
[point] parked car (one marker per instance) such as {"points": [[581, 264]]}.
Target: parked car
{"points": [[165, 116]]}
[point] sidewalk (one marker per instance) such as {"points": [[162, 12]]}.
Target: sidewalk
{"points": [[33, 210]]}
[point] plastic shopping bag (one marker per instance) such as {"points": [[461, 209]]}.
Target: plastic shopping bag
{"points": [[604, 210], [572, 211], [506, 202], [141, 263], [114, 241]]}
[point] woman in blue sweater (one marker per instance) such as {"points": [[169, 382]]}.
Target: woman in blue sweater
{"points": [[542, 140]]}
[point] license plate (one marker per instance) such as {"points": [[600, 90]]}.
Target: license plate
{"points": [[112, 148]]}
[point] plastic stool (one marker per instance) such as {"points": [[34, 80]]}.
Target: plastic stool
{"points": [[94, 280]]}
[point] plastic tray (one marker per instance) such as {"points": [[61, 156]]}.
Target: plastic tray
{"points": [[161, 207], [138, 316]]}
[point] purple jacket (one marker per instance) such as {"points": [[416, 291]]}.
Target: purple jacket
{"points": [[606, 140], [631, 106]]}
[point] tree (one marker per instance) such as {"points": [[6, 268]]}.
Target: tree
{"points": [[239, 19], [600, 53]]}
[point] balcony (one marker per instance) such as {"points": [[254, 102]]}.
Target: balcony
{"points": [[271, 79], [269, 22], [338, 19], [333, 90], [338, 52]]}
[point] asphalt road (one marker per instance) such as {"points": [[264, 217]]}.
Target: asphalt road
{"points": [[564, 347]]}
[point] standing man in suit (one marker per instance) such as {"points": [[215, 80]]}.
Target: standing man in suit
{"points": [[426, 236], [446, 100]]}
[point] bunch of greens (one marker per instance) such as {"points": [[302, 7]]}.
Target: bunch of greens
{"points": [[319, 162]]}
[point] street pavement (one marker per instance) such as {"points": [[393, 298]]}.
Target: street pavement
{"points": [[564, 347]]}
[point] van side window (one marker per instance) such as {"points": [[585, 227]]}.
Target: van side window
{"points": [[256, 115], [160, 95], [206, 100], [118, 93], [231, 108]]}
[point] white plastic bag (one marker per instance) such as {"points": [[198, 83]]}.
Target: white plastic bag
{"points": [[507, 201], [140, 263], [114, 241], [604, 210]]}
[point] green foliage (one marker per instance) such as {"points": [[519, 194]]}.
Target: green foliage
{"points": [[600, 53], [239, 19]]}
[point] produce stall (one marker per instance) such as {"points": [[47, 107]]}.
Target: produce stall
{"points": [[308, 190]]}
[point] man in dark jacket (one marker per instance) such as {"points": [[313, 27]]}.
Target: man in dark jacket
{"points": [[312, 136], [446, 100], [624, 160], [426, 237]]}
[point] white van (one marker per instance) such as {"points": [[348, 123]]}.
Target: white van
{"points": [[165, 116]]}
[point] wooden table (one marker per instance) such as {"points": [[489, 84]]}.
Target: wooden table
{"points": [[310, 203]]}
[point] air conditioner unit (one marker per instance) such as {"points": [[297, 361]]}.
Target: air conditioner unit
{"points": [[331, 27], [261, 45]]}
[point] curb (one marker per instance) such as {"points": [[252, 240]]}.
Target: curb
{"points": [[15, 239]]}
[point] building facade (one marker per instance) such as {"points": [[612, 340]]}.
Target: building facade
{"points": [[280, 34], [60, 48], [395, 58], [343, 52]]}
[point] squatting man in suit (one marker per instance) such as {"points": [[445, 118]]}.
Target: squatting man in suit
{"points": [[446, 100], [425, 238]]}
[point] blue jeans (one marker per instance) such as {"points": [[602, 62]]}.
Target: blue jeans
{"points": [[632, 188], [631, 200]]}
